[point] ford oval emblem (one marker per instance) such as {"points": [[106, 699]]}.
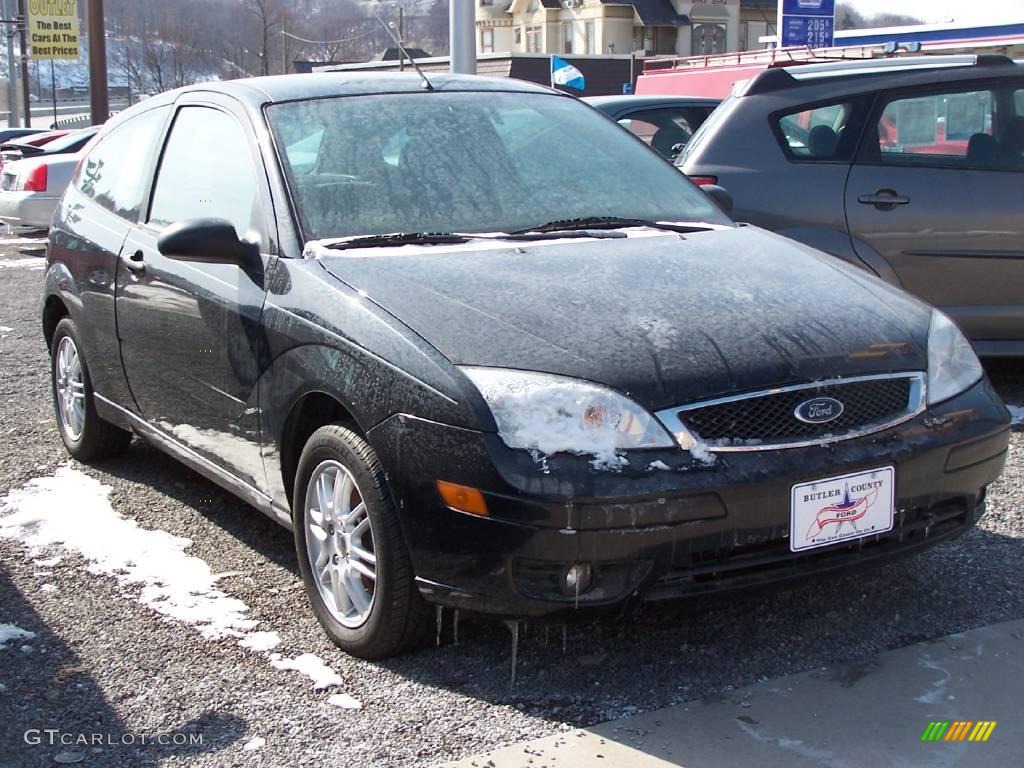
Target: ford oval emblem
{"points": [[820, 410]]}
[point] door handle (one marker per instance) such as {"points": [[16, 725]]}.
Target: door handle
{"points": [[136, 262], [884, 199]]}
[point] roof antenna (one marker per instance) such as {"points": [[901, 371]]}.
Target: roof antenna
{"points": [[426, 83]]}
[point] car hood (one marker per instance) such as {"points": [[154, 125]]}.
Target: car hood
{"points": [[667, 319]]}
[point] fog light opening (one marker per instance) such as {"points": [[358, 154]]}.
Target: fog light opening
{"points": [[576, 579]]}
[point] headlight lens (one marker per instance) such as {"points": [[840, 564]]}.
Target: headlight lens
{"points": [[952, 364], [556, 414]]}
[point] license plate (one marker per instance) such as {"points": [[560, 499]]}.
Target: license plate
{"points": [[842, 508]]}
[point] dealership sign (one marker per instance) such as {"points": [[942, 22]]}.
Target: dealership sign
{"points": [[806, 23], [53, 29]]}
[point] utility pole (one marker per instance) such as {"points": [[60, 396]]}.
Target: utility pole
{"points": [[12, 69], [23, 45], [401, 38], [462, 36], [99, 102]]}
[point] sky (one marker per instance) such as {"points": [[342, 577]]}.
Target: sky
{"points": [[932, 11]]}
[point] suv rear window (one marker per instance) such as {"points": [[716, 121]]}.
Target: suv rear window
{"points": [[815, 133]]}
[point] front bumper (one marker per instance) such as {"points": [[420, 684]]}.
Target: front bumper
{"points": [[650, 534]]}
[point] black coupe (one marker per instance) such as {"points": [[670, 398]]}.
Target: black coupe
{"points": [[479, 347]]}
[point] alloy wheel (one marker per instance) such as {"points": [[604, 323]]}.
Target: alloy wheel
{"points": [[70, 385], [339, 543]]}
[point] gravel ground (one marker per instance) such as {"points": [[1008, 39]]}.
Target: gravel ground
{"points": [[103, 663]]}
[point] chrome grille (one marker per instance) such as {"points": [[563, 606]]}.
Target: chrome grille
{"points": [[767, 419]]}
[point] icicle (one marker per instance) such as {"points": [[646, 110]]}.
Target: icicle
{"points": [[563, 638], [456, 626], [440, 621], [546, 628], [513, 627]]}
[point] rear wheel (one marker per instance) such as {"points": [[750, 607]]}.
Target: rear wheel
{"points": [[86, 435], [351, 552]]}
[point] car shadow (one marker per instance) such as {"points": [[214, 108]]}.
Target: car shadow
{"points": [[147, 465], [701, 648], [53, 710]]}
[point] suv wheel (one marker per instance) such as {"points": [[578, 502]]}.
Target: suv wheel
{"points": [[351, 551], [86, 436]]}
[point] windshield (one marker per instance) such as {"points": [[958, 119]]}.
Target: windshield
{"points": [[72, 142], [468, 162]]}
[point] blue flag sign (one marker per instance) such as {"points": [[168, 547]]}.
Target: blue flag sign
{"points": [[808, 23], [564, 73]]}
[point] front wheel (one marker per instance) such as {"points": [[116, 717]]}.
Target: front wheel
{"points": [[351, 552]]}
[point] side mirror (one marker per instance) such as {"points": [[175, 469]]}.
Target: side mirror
{"points": [[720, 195], [211, 241]]}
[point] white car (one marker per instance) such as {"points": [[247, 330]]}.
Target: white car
{"points": [[31, 188]]}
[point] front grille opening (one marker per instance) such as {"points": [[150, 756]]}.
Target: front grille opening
{"points": [[717, 568], [770, 418]]}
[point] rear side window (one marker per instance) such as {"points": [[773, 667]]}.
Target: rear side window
{"points": [[115, 172], [978, 128], [817, 133]]}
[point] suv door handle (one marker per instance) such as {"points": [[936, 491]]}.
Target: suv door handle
{"points": [[884, 199], [136, 262]]}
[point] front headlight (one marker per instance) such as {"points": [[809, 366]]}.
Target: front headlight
{"points": [[952, 364], [556, 414]]}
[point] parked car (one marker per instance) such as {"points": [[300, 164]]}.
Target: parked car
{"points": [[474, 365], [12, 148], [7, 134], [31, 188], [911, 168], [665, 123], [65, 142]]}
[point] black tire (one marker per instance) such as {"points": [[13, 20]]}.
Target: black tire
{"points": [[98, 439], [398, 617]]}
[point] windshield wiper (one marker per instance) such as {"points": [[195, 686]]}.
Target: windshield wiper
{"points": [[610, 222], [399, 238], [458, 238]]}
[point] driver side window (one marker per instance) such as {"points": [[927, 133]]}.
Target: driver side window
{"points": [[207, 172]]}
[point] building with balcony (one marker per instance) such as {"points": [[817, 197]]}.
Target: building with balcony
{"points": [[643, 27]]}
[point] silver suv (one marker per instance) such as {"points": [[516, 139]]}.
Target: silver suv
{"points": [[912, 168]]}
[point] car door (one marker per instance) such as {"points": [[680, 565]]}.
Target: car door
{"points": [[189, 332], [94, 216], [938, 192]]}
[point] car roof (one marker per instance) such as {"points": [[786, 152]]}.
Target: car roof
{"points": [[261, 90], [610, 103], [872, 74]]}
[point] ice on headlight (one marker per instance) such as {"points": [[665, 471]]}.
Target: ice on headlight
{"points": [[554, 414]]}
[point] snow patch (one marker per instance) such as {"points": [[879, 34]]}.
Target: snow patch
{"points": [[73, 510], [23, 241], [701, 453], [5, 329], [257, 742], [1016, 413], [310, 665], [260, 641], [659, 465], [10, 633], [344, 701], [34, 262]]}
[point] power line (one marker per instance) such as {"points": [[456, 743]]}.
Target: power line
{"points": [[330, 42]]}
